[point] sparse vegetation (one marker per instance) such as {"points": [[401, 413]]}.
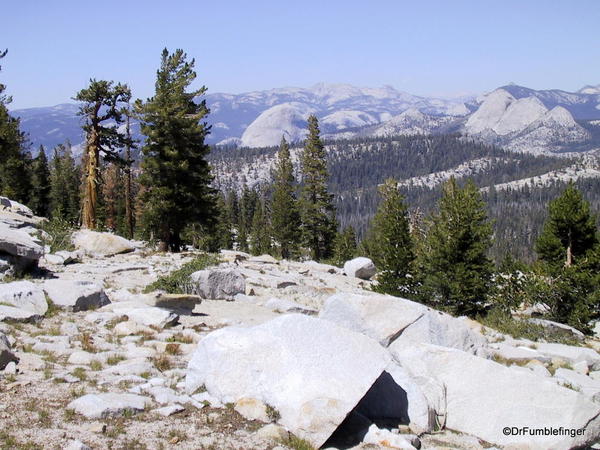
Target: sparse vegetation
{"points": [[87, 342], [173, 349], [296, 443], [96, 365], [80, 373], [522, 329], [180, 337], [178, 281], [114, 359], [162, 362]]}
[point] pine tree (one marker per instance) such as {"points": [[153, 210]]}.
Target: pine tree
{"points": [[391, 243], [113, 197], [64, 186], [176, 175], [317, 211], [260, 236], [285, 216], [570, 231], [40, 182], [223, 234], [103, 110], [248, 204], [570, 252], [345, 246], [15, 181], [457, 272]]}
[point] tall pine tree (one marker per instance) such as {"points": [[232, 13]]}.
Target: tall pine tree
{"points": [[40, 185], [260, 236], [64, 185], [176, 175], [103, 108], [457, 271], [569, 248], [391, 244], [570, 231], [319, 224], [285, 216]]}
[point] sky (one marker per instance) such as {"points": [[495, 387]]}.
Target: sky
{"points": [[424, 47]]}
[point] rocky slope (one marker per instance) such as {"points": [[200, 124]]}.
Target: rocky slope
{"points": [[261, 348]]}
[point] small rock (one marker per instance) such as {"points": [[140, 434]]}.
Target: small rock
{"points": [[386, 438], [10, 369], [218, 284], [167, 411], [581, 367], [360, 267], [272, 432], [76, 445], [252, 409], [100, 406], [6, 356]]}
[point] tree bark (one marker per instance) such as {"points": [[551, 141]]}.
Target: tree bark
{"points": [[91, 182]]}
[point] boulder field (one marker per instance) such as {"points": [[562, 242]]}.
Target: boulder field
{"points": [[261, 354]]}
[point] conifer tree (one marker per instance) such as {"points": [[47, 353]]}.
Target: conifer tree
{"points": [[40, 185], [223, 234], [248, 204], [285, 215], [457, 271], [64, 186], [570, 231], [176, 175], [260, 236], [129, 209], [14, 161], [391, 243], [345, 246], [103, 108], [317, 211], [570, 251]]}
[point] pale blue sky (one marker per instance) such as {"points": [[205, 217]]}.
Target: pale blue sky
{"points": [[423, 47]]}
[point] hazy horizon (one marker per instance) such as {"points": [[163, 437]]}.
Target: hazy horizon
{"points": [[430, 49]]}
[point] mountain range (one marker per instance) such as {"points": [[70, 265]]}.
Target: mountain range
{"points": [[514, 117]]}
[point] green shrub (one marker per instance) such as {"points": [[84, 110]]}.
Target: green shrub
{"points": [[59, 235], [500, 320], [177, 282]]}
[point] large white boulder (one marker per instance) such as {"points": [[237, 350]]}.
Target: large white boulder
{"points": [[76, 295], [484, 397], [444, 330], [95, 243], [6, 355], [311, 371], [22, 300], [101, 406], [218, 284], [360, 267], [381, 317], [398, 322]]}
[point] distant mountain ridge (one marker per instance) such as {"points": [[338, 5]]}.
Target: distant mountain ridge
{"points": [[516, 117]]}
